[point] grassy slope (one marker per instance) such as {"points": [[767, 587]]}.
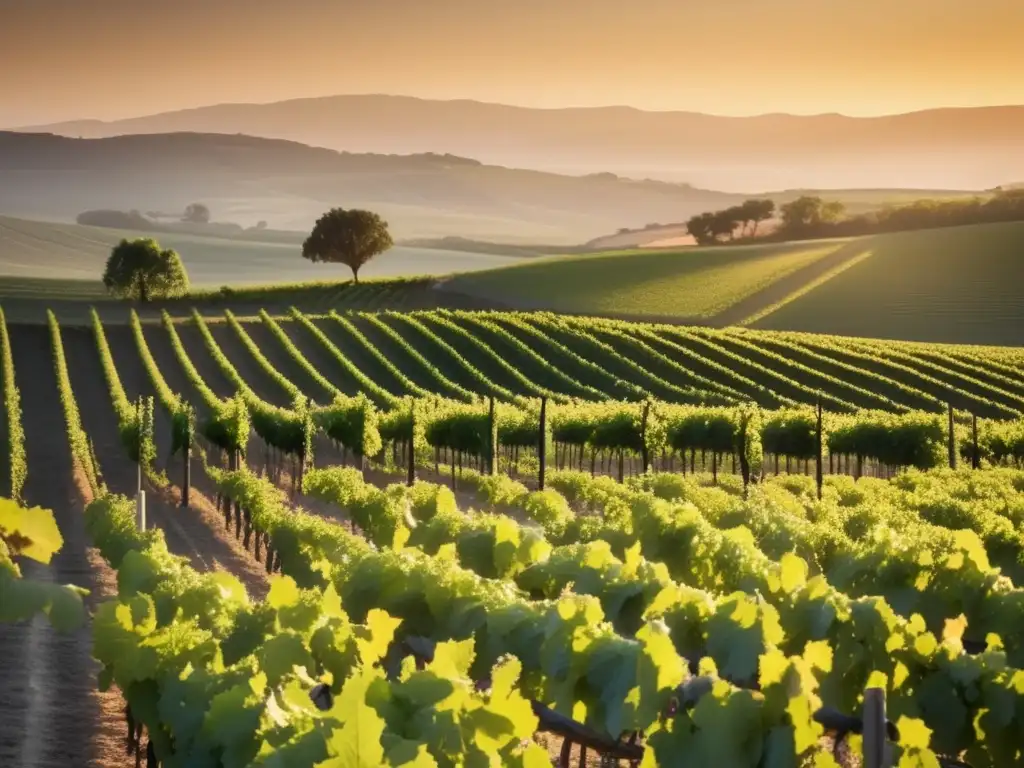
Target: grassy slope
{"points": [[689, 283], [958, 285], [35, 249]]}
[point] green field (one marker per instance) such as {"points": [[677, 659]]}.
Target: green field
{"points": [[680, 284], [957, 285], [35, 249]]}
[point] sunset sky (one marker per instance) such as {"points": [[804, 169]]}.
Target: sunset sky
{"points": [[66, 59]]}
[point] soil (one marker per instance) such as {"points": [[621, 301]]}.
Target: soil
{"points": [[247, 366], [192, 341], [197, 530], [319, 357], [51, 712], [278, 356]]}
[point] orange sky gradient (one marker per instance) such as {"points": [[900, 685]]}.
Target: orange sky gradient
{"points": [[67, 59]]}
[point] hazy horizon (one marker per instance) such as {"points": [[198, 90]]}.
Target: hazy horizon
{"points": [[735, 58], [456, 100]]}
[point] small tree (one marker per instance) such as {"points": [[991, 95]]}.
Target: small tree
{"points": [[724, 222], [700, 228], [755, 211], [139, 269], [345, 237], [196, 213]]}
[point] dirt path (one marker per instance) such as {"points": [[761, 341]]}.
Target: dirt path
{"points": [[192, 341], [319, 357], [51, 713], [788, 285], [275, 352], [248, 368], [198, 530]]}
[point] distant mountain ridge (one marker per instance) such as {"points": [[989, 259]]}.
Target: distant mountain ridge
{"points": [[975, 147], [248, 179]]}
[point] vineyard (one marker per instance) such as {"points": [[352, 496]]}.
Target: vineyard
{"points": [[459, 538]]}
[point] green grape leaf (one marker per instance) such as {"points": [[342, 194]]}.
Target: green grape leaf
{"points": [[374, 639], [231, 589], [914, 734], [331, 605], [452, 659], [405, 753], [505, 699], [20, 598], [283, 592], [137, 573], [793, 572], [233, 718], [281, 653], [66, 610], [357, 744], [31, 533]]}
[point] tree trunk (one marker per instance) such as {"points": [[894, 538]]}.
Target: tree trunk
{"points": [[355, 275], [143, 291]]}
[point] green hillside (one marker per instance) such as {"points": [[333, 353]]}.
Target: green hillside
{"points": [[38, 249], [689, 283], [958, 285]]}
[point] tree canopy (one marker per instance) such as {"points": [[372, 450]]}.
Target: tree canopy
{"points": [[349, 237], [810, 212], [708, 228], [140, 269]]}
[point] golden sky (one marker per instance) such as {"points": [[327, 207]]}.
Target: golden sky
{"points": [[66, 59]]}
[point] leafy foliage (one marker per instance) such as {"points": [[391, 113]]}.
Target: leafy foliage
{"points": [[14, 451], [139, 269], [33, 534], [349, 237]]}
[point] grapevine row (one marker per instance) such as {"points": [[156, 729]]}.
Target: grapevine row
{"points": [[14, 431], [635, 669]]}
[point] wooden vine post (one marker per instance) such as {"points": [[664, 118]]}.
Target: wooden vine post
{"points": [[877, 753], [645, 458], [492, 440], [411, 449], [186, 452], [819, 440], [542, 446], [976, 453], [139, 416], [951, 439]]}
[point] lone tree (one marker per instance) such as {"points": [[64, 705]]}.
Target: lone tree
{"points": [[196, 213], [139, 269], [345, 237]]}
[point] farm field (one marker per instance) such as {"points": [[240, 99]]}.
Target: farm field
{"points": [[958, 285], [612, 587], [693, 283], [36, 249], [953, 285]]}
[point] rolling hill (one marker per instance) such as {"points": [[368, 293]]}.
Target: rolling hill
{"points": [[955, 285], [958, 285], [246, 179], [775, 151], [36, 249], [687, 285]]}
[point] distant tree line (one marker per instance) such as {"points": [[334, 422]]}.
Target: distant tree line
{"points": [[711, 227], [195, 219], [810, 217]]}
